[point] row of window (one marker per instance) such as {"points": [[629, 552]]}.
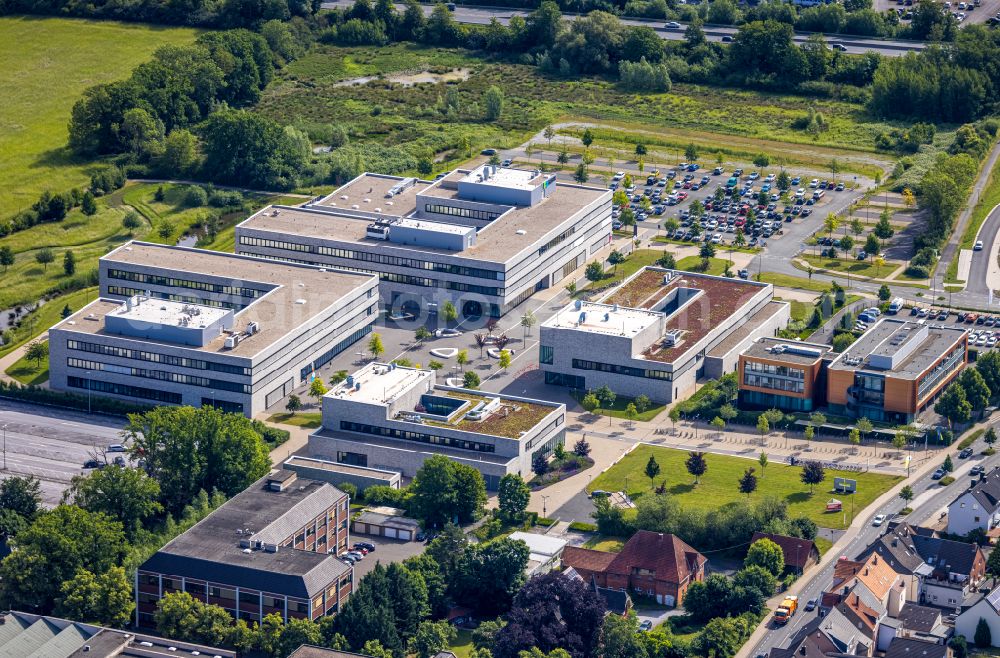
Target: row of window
{"points": [[420, 437], [770, 369], [161, 375], [125, 291], [775, 400], [616, 369], [154, 357], [173, 282], [458, 211], [381, 259], [948, 364], [328, 356], [223, 405], [125, 390], [559, 239], [774, 383]]}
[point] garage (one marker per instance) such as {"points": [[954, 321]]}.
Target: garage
{"points": [[387, 522]]}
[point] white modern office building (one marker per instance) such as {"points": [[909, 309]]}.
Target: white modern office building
{"points": [[657, 333], [484, 239], [175, 325], [393, 418]]}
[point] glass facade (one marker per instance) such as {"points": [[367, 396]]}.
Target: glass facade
{"points": [[951, 362], [154, 357], [614, 368], [776, 378], [328, 356], [545, 354], [162, 375], [173, 282], [458, 211], [123, 390], [763, 400], [570, 381]]}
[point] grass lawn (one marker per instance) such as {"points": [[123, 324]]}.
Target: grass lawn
{"points": [[682, 628], [304, 419], [719, 249], [27, 372], [46, 316], [716, 266], [462, 646], [987, 201], [637, 260], [45, 64], [823, 544], [719, 485], [606, 544], [617, 410], [848, 265], [786, 281]]}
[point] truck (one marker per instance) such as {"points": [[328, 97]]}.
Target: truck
{"points": [[786, 610]]}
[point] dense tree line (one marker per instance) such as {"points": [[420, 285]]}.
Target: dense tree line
{"points": [[972, 391], [227, 13]]}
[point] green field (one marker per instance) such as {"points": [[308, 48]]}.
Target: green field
{"points": [[617, 409], [46, 316], [29, 372], [786, 281], [301, 419], [716, 266], [848, 265], [719, 485], [45, 64]]}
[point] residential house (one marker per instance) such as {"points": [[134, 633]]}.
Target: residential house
{"points": [[921, 622], [655, 564], [883, 583], [830, 634], [976, 507], [910, 648], [800, 554], [988, 608]]}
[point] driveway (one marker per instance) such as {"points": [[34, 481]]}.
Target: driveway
{"points": [[387, 551]]}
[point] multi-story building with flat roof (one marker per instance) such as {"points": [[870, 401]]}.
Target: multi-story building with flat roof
{"points": [[187, 326], [896, 369], [484, 239], [393, 418], [657, 333], [266, 550], [783, 374]]}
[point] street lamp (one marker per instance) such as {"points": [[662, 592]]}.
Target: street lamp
{"points": [[544, 509], [88, 373], [5, 446]]}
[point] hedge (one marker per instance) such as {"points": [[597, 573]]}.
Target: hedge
{"points": [[76, 401]]}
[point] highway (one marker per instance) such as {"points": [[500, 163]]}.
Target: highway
{"points": [[483, 15], [930, 501]]}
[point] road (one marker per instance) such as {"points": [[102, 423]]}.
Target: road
{"points": [[483, 15], [931, 499], [52, 445]]}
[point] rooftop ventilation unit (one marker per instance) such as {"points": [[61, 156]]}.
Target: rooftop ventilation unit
{"points": [[578, 304], [400, 187]]}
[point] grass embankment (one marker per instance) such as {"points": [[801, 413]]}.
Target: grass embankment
{"points": [[45, 65], [617, 409], [787, 281], [46, 316], [848, 265], [304, 419], [693, 264], [720, 484]]}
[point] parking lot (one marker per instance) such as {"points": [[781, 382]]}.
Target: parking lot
{"points": [[963, 11], [386, 552], [52, 445]]}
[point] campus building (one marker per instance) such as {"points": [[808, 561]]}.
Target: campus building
{"points": [[391, 417], [896, 370], [484, 239], [658, 333], [783, 374], [266, 550], [174, 325]]}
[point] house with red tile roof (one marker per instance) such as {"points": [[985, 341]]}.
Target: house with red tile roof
{"points": [[660, 565], [800, 554]]}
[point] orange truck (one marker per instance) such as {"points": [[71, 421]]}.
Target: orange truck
{"points": [[786, 610]]}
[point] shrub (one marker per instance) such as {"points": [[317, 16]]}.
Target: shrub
{"points": [[582, 527], [195, 197]]}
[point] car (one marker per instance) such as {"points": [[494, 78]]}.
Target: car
{"points": [[348, 558], [451, 6], [839, 188], [599, 493], [421, 535], [814, 183], [810, 605], [93, 463], [978, 246], [506, 163], [938, 474], [862, 255], [116, 447], [965, 454], [839, 46], [672, 25], [727, 38], [367, 545], [878, 520], [646, 626], [978, 469], [357, 555], [488, 152]]}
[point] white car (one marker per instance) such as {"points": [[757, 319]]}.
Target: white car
{"points": [[978, 246], [673, 25], [814, 183], [878, 520], [116, 447], [619, 175], [717, 238]]}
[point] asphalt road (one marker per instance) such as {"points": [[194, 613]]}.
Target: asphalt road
{"points": [[483, 15], [51, 445], [931, 499]]}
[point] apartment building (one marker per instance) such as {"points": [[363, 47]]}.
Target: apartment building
{"points": [[896, 370], [783, 374], [174, 325], [266, 550], [484, 239], [393, 418], [657, 333]]}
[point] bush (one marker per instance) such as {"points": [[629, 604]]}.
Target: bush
{"points": [[946, 480], [383, 495], [77, 401], [273, 436], [225, 198], [349, 489], [195, 197], [582, 527]]}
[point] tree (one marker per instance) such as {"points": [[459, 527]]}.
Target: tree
{"points": [[528, 320], [127, 495], [761, 160], [449, 311], [470, 380], [37, 351], [721, 637], [131, 221], [872, 245], [44, 256], [606, 396], [762, 460], [691, 152], [594, 271], [864, 426], [549, 133], [953, 405], [748, 482], [105, 599], [587, 138], [581, 448], [958, 645], [854, 438], [432, 637], [493, 101], [274, 163], [181, 616], [443, 490], [375, 346], [983, 638], [375, 649], [87, 204], [317, 389], [6, 257], [69, 263], [294, 404], [620, 638], [631, 412], [990, 438], [766, 554], [513, 496], [580, 174], [830, 223], [948, 466], [763, 426], [552, 612], [189, 449], [489, 575], [883, 229], [504, 359], [53, 549], [809, 432], [906, 493], [462, 359], [812, 474], [976, 390], [696, 464], [652, 470], [993, 565]]}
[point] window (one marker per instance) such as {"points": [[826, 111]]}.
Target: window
{"points": [[154, 357], [545, 354], [124, 390], [419, 437], [614, 368], [329, 355], [560, 379], [162, 375], [457, 211], [171, 282]]}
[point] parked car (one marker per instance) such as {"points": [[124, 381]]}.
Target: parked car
{"points": [[116, 447], [938, 474], [878, 520], [965, 454], [93, 463], [488, 152], [646, 626], [599, 493]]}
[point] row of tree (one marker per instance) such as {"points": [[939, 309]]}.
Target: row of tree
{"points": [[971, 391]]}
